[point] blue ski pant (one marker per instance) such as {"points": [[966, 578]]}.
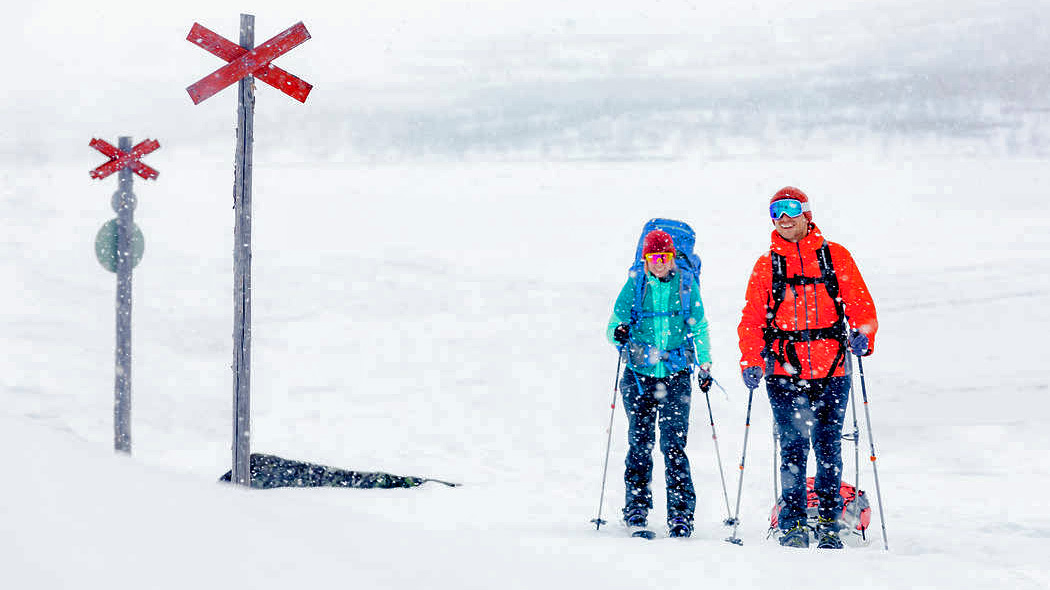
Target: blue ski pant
{"points": [[809, 411], [649, 401]]}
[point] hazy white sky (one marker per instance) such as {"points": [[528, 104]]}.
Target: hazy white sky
{"points": [[84, 68]]}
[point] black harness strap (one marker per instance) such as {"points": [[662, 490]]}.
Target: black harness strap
{"points": [[780, 343]]}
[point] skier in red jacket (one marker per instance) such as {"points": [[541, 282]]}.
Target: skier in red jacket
{"points": [[803, 298]]}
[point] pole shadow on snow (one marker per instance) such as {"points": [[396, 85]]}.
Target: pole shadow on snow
{"points": [[271, 471]]}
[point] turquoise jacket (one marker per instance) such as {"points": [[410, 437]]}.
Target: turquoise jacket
{"points": [[662, 332]]}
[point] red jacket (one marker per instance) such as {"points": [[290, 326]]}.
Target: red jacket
{"points": [[804, 307]]}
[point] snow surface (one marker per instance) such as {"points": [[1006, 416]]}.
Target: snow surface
{"points": [[444, 317]]}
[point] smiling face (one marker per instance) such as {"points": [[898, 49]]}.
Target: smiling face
{"points": [[659, 266], [792, 229]]}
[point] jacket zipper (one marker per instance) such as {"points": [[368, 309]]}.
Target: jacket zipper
{"points": [[805, 294], [661, 323]]}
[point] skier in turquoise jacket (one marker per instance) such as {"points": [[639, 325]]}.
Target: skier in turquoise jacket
{"points": [[662, 344]]}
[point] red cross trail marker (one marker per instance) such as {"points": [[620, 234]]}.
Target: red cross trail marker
{"points": [[119, 245], [119, 159], [244, 62]]}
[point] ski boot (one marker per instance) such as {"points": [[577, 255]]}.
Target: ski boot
{"points": [[796, 536], [679, 527], [828, 534], [636, 523], [635, 518]]}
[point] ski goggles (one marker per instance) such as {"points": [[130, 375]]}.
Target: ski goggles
{"points": [[659, 257], [789, 207]]}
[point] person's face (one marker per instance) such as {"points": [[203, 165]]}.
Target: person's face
{"points": [[792, 229], [659, 264]]}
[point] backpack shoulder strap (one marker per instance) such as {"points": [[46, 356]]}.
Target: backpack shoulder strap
{"points": [[685, 294], [831, 283], [779, 276], [827, 271], [639, 293]]}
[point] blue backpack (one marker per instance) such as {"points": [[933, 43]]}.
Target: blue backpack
{"points": [[687, 264]]}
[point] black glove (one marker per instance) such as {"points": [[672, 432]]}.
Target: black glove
{"points": [[703, 379], [752, 376], [858, 344], [622, 334]]}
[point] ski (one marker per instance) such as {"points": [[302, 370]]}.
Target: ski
{"points": [[641, 532]]}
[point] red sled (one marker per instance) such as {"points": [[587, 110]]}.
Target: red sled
{"points": [[855, 516]]}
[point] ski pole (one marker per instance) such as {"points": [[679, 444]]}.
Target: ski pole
{"points": [[718, 455], [724, 392], [855, 437], [729, 521], [871, 442], [598, 522], [776, 479], [776, 464], [740, 486]]}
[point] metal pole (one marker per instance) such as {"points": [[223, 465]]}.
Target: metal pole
{"points": [[242, 257], [776, 463], [871, 442], [598, 522], [855, 437], [740, 486], [729, 521], [124, 204]]}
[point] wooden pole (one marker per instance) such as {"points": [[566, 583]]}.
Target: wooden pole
{"points": [[124, 204], [242, 257]]}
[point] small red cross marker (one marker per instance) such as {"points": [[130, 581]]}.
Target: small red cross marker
{"points": [[119, 159], [244, 62]]}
